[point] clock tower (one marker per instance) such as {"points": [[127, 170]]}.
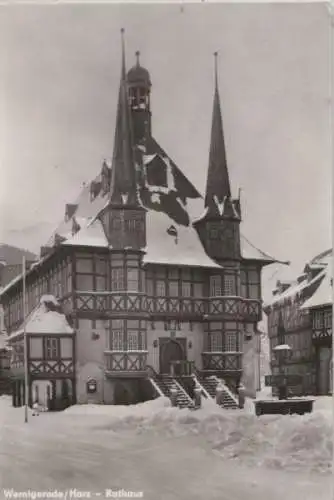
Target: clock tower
{"points": [[218, 228]]}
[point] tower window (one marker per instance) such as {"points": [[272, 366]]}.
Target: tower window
{"points": [[216, 344], [215, 286], [117, 279], [229, 284], [231, 341]]}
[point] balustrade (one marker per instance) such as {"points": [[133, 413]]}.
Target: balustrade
{"points": [[113, 303], [222, 361], [125, 362]]}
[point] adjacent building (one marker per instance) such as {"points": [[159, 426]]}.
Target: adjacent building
{"points": [[300, 315], [153, 278]]}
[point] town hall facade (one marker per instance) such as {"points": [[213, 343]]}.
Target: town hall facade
{"points": [[134, 288]]}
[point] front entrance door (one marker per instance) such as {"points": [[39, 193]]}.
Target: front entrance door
{"points": [[171, 350]]}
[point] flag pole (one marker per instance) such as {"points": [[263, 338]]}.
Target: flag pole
{"points": [[26, 387]]}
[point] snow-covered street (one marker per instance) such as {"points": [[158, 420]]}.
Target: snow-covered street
{"points": [[168, 453]]}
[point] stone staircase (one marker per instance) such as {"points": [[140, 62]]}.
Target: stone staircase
{"points": [[209, 384], [163, 384]]}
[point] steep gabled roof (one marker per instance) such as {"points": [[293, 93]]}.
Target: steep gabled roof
{"points": [[46, 318]]}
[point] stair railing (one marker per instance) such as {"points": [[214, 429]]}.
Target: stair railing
{"points": [[183, 391], [226, 388], [203, 390], [154, 377]]}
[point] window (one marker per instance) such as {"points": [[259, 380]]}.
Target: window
{"points": [[186, 289], [100, 283], [231, 341], [84, 282], [117, 279], [173, 288], [133, 280], [133, 344], [215, 286], [149, 287], [216, 344], [229, 284], [161, 288], [198, 290], [250, 283], [318, 319], [328, 319], [116, 341], [51, 348]]}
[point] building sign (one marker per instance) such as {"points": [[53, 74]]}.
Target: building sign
{"points": [[91, 386], [282, 380]]}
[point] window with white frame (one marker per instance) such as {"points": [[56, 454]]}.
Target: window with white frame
{"points": [[216, 344], [149, 287], [133, 280], [133, 344], [229, 284], [52, 348], [231, 341], [173, 287], [215, 286], [116, 342], [161, 288], [186, 289], [328, 319], [318, 319], [117, 279]]}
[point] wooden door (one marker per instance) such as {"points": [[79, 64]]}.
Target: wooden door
{"points": [[171, 350]]}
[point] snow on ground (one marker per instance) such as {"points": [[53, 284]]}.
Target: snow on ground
{"points": [[169, 453]]}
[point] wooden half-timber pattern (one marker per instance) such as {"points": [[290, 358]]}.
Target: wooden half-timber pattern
{"points": [[93, 285], [111, 303]]}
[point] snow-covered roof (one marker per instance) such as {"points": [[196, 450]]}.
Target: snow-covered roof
{"points": [[323, 296], [168, 243], [45, 319], [321, 282], [170, 199], [91, 233], [251, 252]]}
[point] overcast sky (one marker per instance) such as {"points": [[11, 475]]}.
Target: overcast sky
{"points": [[59, 88]]}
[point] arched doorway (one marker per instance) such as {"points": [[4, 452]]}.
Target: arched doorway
{"points": [[171, 350]]}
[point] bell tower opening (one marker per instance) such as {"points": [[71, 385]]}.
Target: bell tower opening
{"points": [[139, 85]]}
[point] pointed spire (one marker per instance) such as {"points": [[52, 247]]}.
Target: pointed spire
{"points": [[138, 58], [218, 183], [123, 188]]}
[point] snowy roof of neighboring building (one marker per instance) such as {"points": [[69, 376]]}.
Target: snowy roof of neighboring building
{"points": [[323, 296], [321, 281], [45, 319]]}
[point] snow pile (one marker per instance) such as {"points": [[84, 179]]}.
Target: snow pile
{"points": [[281, 442]]}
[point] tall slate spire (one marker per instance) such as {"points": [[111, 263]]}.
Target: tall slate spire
{"points": [[218, 183], [123, 187]]}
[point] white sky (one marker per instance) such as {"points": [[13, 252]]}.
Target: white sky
{"points": [[58, 93]]}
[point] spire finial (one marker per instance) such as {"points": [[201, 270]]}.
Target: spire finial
{"points": [[216, 68], [138, 56], [123, 51]]}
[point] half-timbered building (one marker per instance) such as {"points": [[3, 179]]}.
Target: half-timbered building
{"points": [[300, 315], [155, 280]]}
